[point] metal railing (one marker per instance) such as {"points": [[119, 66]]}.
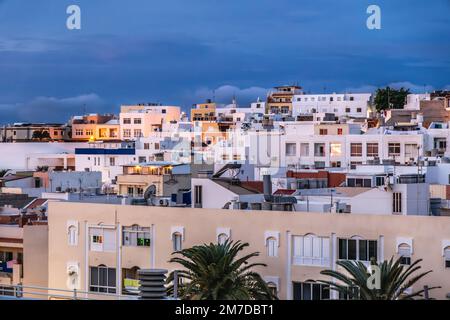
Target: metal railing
{"points": [[45, 293]]}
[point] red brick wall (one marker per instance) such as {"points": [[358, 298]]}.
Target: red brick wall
{"points": [[334, 178]]}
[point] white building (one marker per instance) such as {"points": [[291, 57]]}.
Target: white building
{"points": [[348, 104], [107, 158], [138, 121]]}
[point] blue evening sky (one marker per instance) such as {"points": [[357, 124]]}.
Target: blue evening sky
{"points": [[177, 51]]}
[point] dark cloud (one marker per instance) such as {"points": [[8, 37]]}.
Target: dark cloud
{"points": [[50, 109], [177, 52]]}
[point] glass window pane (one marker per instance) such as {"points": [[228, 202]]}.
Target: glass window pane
{"points": [[94, 276], [363, 250], [306, 291], [342, 248], [102, 275], [351, 249], [297, 291], [316, 291], [111, 277], [325, 292], [373, 249]]}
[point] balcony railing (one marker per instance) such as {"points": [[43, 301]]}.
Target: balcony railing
{"points": [[44, 293]]}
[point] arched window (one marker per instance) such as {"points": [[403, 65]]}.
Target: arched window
{"points": [[72, 235], [273, 288], [404, 251], [272, 247], [447, 257], [311, 250], [136, 236], [177, 239], [222, 238]]}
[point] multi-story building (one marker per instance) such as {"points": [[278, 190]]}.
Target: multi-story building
{"points": [[167, 178], [204, 111], [107, 158], [93, 127], [280, 101], [143, 120], [25, 132], [349, 104], [115, 241]]}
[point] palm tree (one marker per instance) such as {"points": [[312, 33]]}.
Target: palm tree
{"points": [[394, 280], [214, 272]]}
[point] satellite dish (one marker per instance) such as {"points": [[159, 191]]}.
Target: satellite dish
{"points": [[150, 192]]}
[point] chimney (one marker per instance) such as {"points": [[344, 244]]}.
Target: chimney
{"points": [[267, 183]]}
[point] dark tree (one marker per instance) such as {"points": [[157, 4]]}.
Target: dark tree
{"points": [[219, 272], [388, 98]]}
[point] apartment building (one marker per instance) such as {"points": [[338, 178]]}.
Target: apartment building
{"points": [[320, 151], [280, 101], [107, 158], [349, 104], [93, 127], [167, 179], [143, 120], [204, 111], [25, 132], [102, 246]]}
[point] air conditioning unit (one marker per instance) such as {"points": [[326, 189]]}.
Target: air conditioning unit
{"points": [[164, 202]]}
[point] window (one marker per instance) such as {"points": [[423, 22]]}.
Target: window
{"points": [[335, 149], [351, 294], [372, 149], [359, 182], [304, 149], [126, 120], [137, 133], [347, 110], [5, 256], [102, 279], [357, 249], [127, 133], [72, 235], [447, 257], [311, 250], [339, 131], [137, 121], [273, 288], [102, 239], [311, 291], [319, 164], [393, 149], [397, 202], [291, 149], [404, 251], [379, 181], [142, 159], [177, 239], [222, 238], [411, 150], [356, 149], [198, 196], [146, 146], [136, 236], [359, 110], [323, 132], [112, 161], [272, 247], [89, 132], [319, 149], [78, 132]]}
